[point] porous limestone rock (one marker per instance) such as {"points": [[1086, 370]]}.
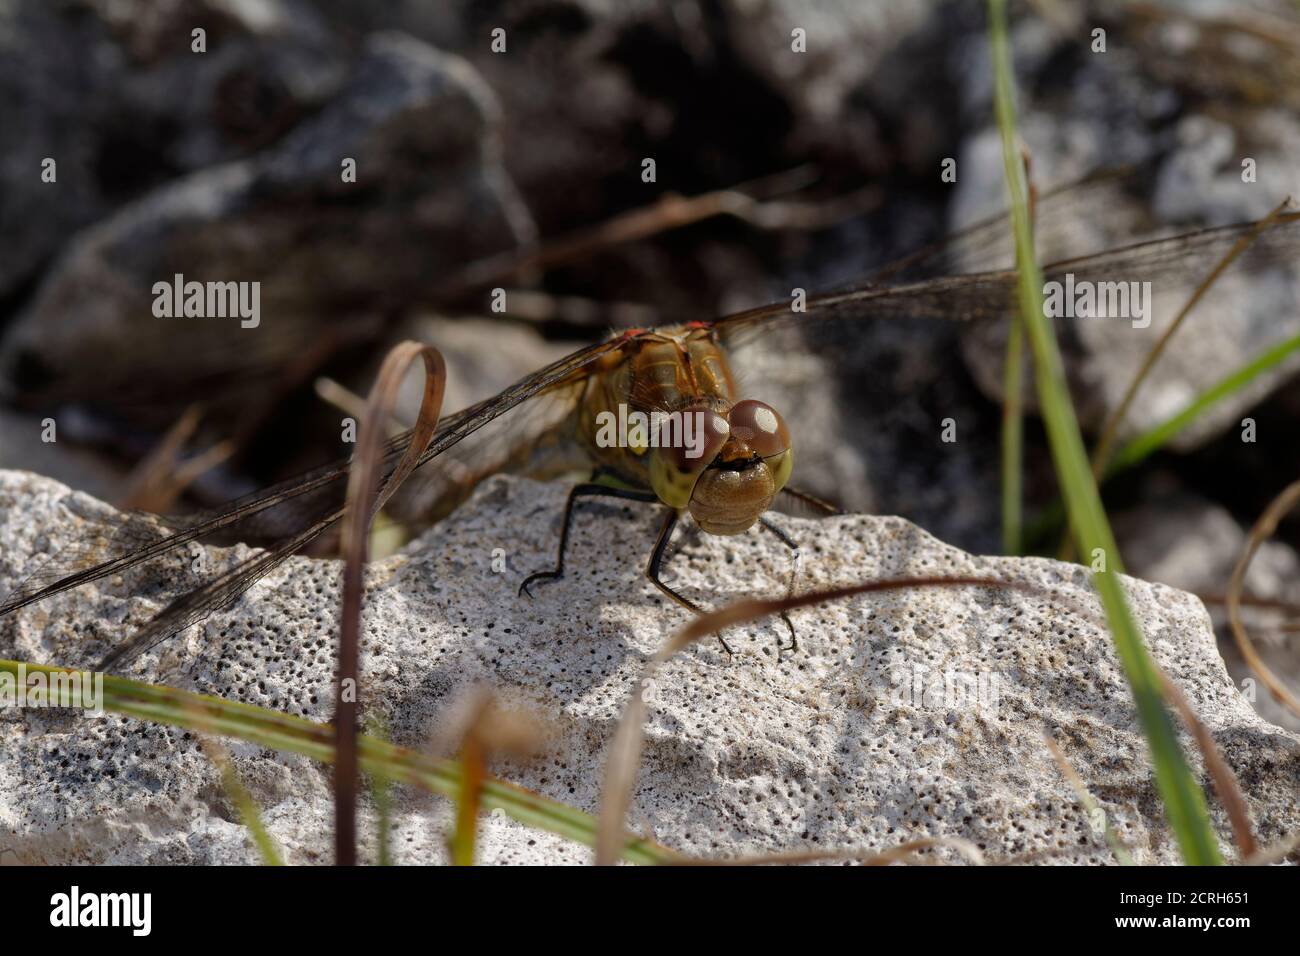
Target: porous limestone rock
{"points": [[829, 747]]}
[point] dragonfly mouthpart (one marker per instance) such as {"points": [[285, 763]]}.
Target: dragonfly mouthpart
{"points": [[749, 470], [729, 500]]}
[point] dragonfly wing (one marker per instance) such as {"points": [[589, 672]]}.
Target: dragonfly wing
{"points": [[1075, 219], [194, 604], [153, 555], [894, 369], [1252, 305], [534, 438], [1176, 262]]}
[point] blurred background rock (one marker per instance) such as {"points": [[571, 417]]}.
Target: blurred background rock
{"points": [[225, 165]]}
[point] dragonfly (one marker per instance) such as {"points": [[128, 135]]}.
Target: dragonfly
{"points": [[547, 422]]}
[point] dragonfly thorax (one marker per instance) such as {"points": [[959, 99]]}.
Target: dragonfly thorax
{"points": [[661, 411]]}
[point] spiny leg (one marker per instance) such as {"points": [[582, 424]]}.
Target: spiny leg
{"points": [[821, 505], [655, 565], [790, 543], [586, 490]]}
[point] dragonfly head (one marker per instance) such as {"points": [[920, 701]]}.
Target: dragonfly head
{"points": [[728, 479]]}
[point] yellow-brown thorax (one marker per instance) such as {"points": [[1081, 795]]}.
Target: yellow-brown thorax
{"points": [[730, 460]]}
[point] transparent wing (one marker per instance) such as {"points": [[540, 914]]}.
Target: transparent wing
{"points": [[872, 379], [534, 439], [1070, 220], [152, 554], [1176, 261]]}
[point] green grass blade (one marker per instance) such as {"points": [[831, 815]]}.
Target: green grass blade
{"points": [[381, 792], [280, 731], [249, 813], [1013, 432], [1050, 518], [1185, 806], [1152, 440]]}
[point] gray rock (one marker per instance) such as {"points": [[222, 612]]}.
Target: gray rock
{"points": [[22, 448], [715, 94], [429, 194], [112, 92], [628, 63], [1133, 105], [1183, 540], [825, 749]]}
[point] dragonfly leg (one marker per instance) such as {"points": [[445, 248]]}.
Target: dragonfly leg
{"points": [[790, 543], [656, 563], [820, 504], [586, 490]]}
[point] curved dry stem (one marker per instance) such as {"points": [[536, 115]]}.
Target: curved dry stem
{"points": [[1225, 781], [625, 749], [673, 212], [1276, 853], [896, 854], [486, 729], [1261, 532], [1090, 804], [1250, 600], [363, 480], [1101, 453]]}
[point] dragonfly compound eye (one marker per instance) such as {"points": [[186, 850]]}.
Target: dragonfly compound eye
{"points": [[759, 426], [762, 429], [683, 451]]}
